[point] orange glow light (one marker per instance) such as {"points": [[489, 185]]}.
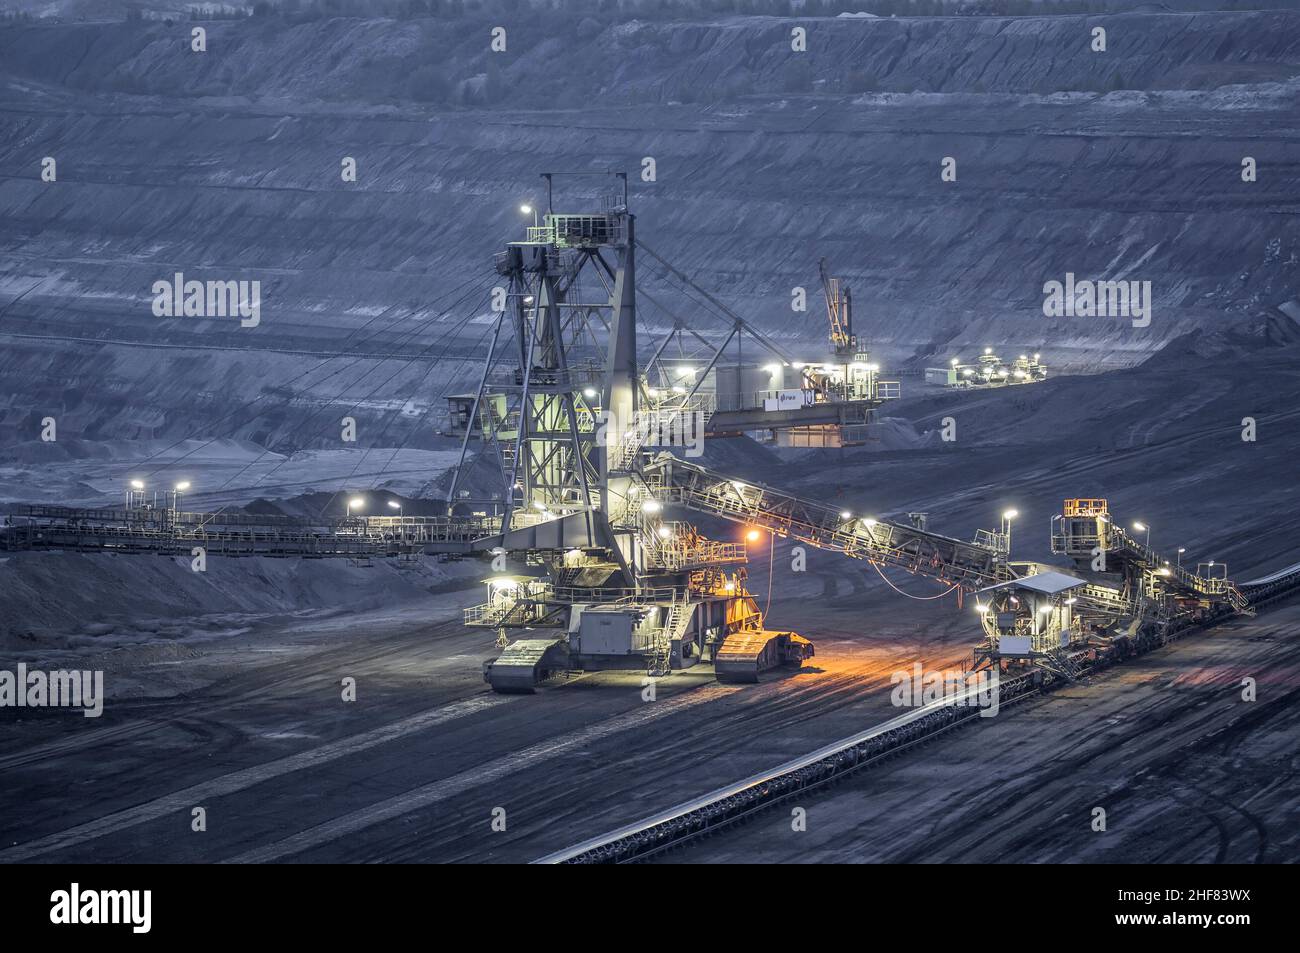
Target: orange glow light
{"points": [[753, 535]]}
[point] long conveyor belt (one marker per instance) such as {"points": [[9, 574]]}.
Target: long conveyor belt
{"points": [[1273, 586], [968, 565]]}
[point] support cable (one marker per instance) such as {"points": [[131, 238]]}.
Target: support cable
{"points": [[908, 594], [771, 563]]}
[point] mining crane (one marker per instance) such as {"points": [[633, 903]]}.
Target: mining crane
{"points": [[839, 309], [588, 492]]}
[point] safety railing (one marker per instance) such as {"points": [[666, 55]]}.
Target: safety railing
{"points": [[570, 594], [677, 546], [576, 378], [167, 531]]}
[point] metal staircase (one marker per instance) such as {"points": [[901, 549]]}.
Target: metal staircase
{"points": [[676, 621], [1061, 661], [566, 577]]}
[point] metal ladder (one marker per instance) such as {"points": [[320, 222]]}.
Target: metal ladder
{"points": [[675, 623]]}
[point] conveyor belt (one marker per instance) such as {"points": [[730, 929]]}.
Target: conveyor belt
{"points": [[171, 532], [1275, 585], [726, 805], [968, 565], [1127, 547], [1271, 578]]}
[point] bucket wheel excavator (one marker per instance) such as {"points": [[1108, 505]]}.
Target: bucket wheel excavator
{"points": [[589, 573]]}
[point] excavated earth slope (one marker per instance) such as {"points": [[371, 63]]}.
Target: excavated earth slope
{"points": [[226, 165]]}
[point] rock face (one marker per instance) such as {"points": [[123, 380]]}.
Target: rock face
{"points": [[225, 165]]}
